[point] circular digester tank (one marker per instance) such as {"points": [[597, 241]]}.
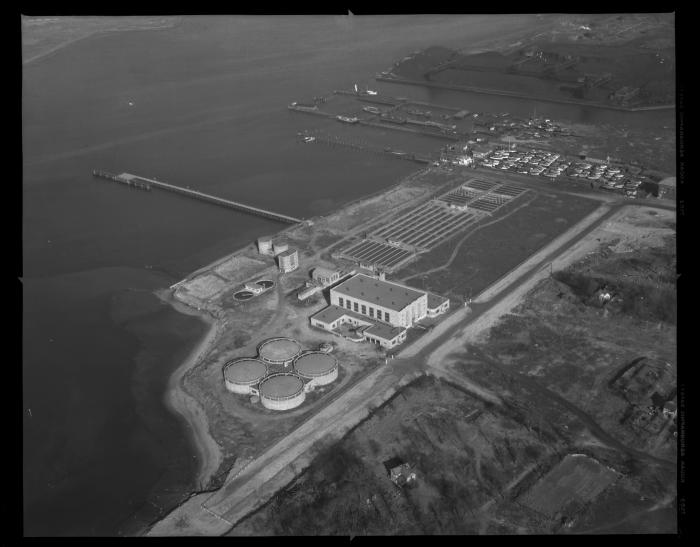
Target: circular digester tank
{"points": [[318, 367], [279, 351], [282, 391], [242, 375]]}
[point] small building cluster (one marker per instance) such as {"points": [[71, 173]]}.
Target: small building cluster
{"points": [[287, 259], [533, 162], [382, 309], [320, 278]]}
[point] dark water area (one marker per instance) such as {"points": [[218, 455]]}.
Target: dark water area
{"points": [[102, 454]]}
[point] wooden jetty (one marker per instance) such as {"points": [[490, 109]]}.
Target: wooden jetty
{"points": [[146, 184]]}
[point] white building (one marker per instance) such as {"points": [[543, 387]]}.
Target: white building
{"points": [[288, 261], [325, 276], [384, 310], [391, 303]]}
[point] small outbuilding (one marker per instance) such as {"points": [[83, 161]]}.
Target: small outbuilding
{"points": [[399, 472]]}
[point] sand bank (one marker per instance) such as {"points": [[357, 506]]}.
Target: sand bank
{"points": [[179, 401]]}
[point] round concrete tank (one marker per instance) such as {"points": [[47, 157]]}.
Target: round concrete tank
{"points": [[279, 247], [265, 245], [317, 367], [279, 351], [242, 375], [282, 391]]}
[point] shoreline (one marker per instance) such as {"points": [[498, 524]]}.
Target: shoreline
{"points": [[183, 404], [516, 95], [91, 34]]}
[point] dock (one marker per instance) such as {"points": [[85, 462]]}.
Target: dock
{"points": [[365, 147], [135, 181]]}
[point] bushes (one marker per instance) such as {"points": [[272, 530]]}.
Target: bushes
{"points": [[642, 300]]}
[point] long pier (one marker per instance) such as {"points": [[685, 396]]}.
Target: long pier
{"points": [[142, 182], [364, 147]]}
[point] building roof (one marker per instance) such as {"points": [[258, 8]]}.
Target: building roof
{"points": [[376, 328], [435, 301], [325, 272], [384, 293], [393, 463], [333, 313], [386, 332], [288, 252]]}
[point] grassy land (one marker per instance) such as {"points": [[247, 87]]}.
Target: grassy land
{"points": [[572, 343], [493, 250], [477, 465], [464, 452]]}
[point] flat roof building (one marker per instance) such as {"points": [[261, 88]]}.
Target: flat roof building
{"points": [[325, 276], [382, 310], [389, 302]]}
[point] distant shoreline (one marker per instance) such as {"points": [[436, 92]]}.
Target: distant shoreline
{"points": [[516, 95], [91, 34]]}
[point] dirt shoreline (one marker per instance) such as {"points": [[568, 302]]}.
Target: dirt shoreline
{"points": [[182, 403]]}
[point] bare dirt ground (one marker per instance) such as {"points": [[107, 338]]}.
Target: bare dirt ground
{"points": [[467, 454], [575, 346]]}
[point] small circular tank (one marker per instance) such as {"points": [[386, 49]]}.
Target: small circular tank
{"points": [[242, 375], [279, 351], [282, 391], [317, 367]]}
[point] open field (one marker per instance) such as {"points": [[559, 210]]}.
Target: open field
{"points": [[567, 339], [492, 248], [466, 454], [577, 479], [478, 466], [598, 61]]}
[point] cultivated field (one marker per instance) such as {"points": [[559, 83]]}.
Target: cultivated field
{"points": [[576, 480]]}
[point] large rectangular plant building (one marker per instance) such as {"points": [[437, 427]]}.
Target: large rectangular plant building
{"points": [[391, 303]]}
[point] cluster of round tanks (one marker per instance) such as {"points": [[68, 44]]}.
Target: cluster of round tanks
{"points": [[283, 390]]}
